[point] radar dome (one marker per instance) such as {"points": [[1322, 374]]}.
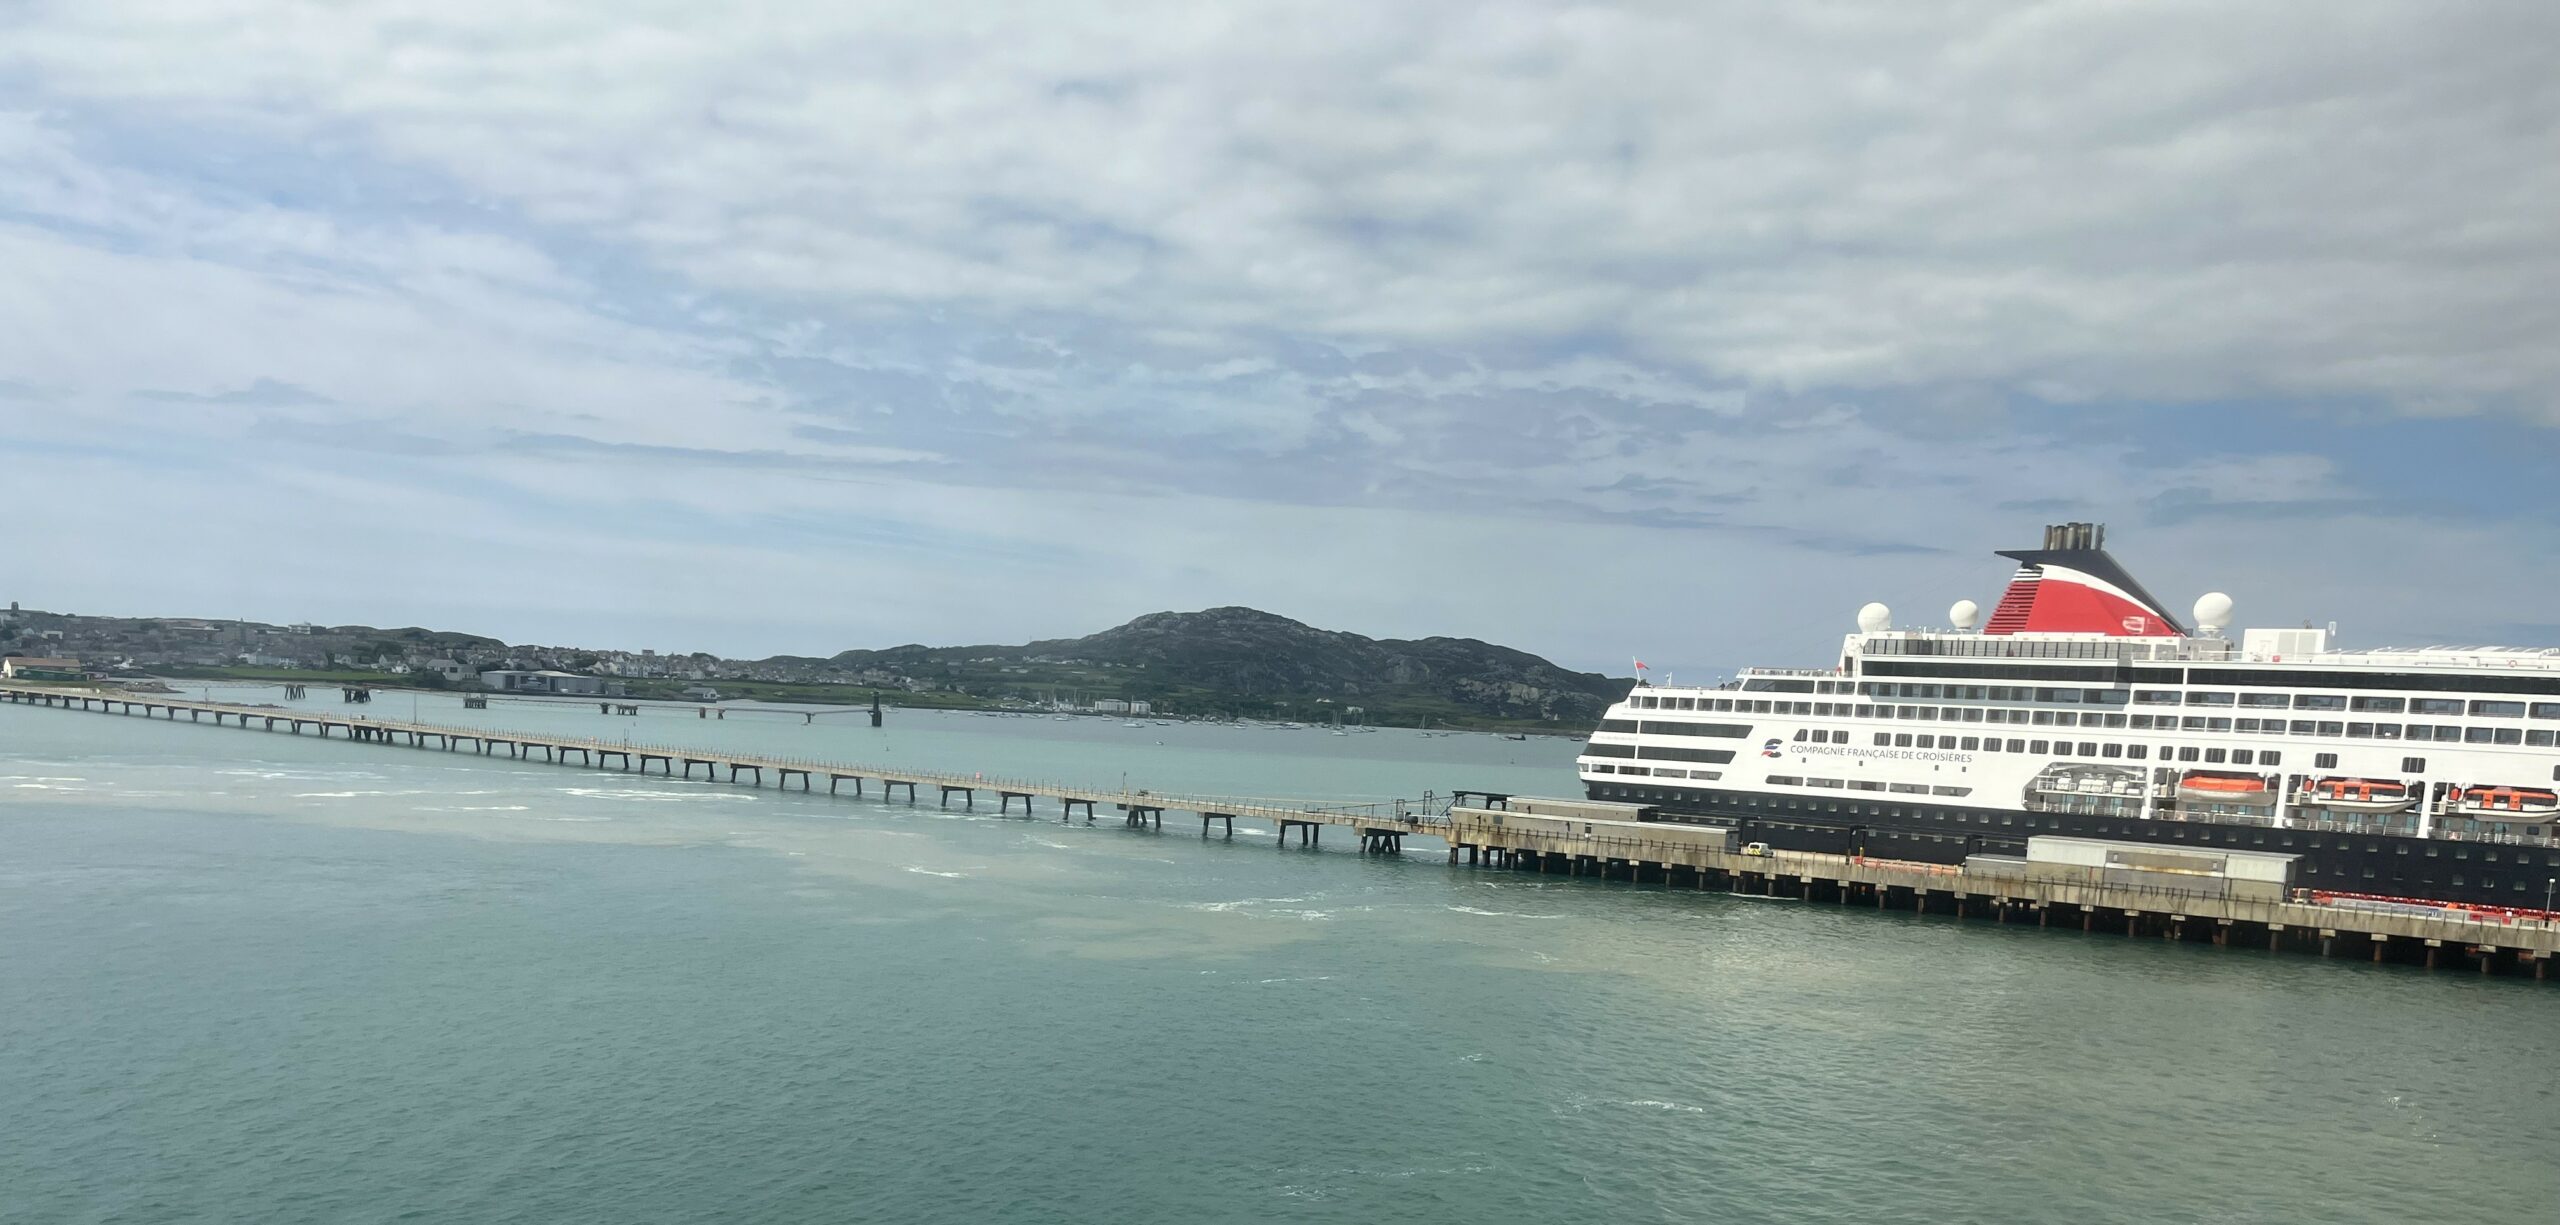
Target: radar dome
{"points": [[1964, 614], [1875, 618], [2213, 611]]}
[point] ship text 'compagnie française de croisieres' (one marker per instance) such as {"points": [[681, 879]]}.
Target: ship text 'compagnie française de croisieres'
{"points": [[2081, 708]]}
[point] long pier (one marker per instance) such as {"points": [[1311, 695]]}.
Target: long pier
{"points": [[1490, 835], [2043, 895], [1380, 827]]}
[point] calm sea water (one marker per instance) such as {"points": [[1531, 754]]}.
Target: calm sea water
{"points": [[258, 978]]}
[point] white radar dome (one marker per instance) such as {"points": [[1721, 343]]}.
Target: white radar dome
{"points": [[2213, 611], [1964, 614], [1875, 619]]}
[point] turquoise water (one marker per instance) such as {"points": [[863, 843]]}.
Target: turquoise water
{"points": [[253, 977]]}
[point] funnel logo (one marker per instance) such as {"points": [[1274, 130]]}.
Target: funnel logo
{"points": [[1771, 748]]}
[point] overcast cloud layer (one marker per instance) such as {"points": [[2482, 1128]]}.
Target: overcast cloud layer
{"points": [[1668, 329]]}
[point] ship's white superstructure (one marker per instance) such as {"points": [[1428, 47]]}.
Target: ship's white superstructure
{"points": [[2082, 708]]}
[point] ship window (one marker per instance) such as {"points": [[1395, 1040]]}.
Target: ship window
{"points": [[1959, 791], [2156, 697], [2413, 765], [2215, 697], [2020, 746], [1929, 713], [2187, 754], [2546, 710], [1799, 736], [1973, 715], [2276, 700], [2381, 706], [1608, 750], [2320, 701], [1927, 742], [2041, 718], [2386, 731], [1971, 744], [1909, 789], [2218, 725], [2324, 761], [2192, 723], [1884, 739], [1785, 780], [1906, 712], [2476, 735], [2039, 746], [1618, 725], [2498, 710], [2064, 718], [2251, 725], [2328, 728], [2539, 738], [2302, 727], [2113, 750], [2141, 722], [2242, 757], [2361, 731], [2510, 735], [1863, 785], [2108, 697], [1902, 740], [1866, 712], [2213, 756], [2112, 719], [2447, 733], [2436, 706], [1951, 714], [2138, 752]]}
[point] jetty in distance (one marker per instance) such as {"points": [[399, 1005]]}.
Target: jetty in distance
{"points": [[1500, 831]]}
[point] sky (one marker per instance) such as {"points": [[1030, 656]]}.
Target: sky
{"points": [[1673, 331]]}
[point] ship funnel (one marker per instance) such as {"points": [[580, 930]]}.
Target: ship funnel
{"points": [[2075, 536]]}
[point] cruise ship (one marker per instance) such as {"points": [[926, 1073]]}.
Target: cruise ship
{"points": [[2081, 707]]}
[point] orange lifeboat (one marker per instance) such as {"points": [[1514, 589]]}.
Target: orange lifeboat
{"points": [[2225, 788], [2359, 794], [2510, 801]]}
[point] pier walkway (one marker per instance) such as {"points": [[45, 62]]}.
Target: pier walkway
{"points": [[1381, 827], [1682, 856]]}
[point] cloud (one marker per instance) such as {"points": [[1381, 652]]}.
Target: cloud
{"points": [[1693, 305]]}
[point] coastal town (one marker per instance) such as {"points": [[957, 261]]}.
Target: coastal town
{"points": [[1224, 662], [65, 646]]}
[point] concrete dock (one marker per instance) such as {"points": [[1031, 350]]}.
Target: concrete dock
{"points": [[1695, 857]]}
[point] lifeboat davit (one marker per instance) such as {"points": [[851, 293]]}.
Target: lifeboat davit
{"points": [[2359, 794], [2509, 801], [2225, 788]]}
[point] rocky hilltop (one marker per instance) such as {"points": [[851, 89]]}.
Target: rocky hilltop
{"points": [[1249, 661]]}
